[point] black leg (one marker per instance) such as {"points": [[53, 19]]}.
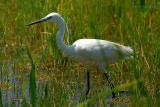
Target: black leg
{"points": [[111, 85], [88, 84]]}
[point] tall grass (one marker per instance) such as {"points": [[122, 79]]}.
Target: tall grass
{"points": [[32, 81], [1, 98], [59, 80]]}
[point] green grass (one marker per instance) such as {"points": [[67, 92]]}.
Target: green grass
{"points": [[34, 70]]}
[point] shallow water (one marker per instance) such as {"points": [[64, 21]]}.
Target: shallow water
{"points": [[12, 93]]}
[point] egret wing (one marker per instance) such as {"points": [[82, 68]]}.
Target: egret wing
{"points": [[96, 50]]}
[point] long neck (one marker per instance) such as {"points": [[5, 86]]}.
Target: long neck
{"points": [[59, 37]]}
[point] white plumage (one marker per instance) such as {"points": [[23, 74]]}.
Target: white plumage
{"points": [[94, 51], [91, 52]]}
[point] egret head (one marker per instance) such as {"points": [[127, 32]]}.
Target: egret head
{"points": [[52, 17]]}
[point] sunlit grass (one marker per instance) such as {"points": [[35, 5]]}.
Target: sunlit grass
{"points": [[59, 81]]}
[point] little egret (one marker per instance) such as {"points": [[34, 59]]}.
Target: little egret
{"points": [[91, 52]]}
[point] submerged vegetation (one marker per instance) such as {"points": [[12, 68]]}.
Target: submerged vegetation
{"points": [[33, 71]]}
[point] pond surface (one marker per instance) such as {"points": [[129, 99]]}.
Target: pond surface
{"points": [[12, 87]]}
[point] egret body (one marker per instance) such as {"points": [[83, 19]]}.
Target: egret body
{"points": [[91, 52]]}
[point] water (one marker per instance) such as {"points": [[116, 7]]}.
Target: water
{"points": [[12, 88]]}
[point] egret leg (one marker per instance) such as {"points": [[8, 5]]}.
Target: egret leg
{"points": [[102, 68], [110, 83], [88, 83]]}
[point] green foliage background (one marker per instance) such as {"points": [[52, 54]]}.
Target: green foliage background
{"points": [[33, 50]]}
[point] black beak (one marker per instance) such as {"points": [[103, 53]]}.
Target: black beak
{"points": [[38, 21]]}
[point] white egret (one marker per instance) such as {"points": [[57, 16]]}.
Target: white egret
{"points": [[91, 52]]}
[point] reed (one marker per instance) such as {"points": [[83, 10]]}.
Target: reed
{"points": [[31, 54]]}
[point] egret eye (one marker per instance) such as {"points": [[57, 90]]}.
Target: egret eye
{"points": [[50, 17]]}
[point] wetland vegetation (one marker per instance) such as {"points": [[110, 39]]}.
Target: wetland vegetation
{"points": [[33, 71]]}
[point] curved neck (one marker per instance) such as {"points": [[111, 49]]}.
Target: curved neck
{"points": [[61, 27], [59, 37]]}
